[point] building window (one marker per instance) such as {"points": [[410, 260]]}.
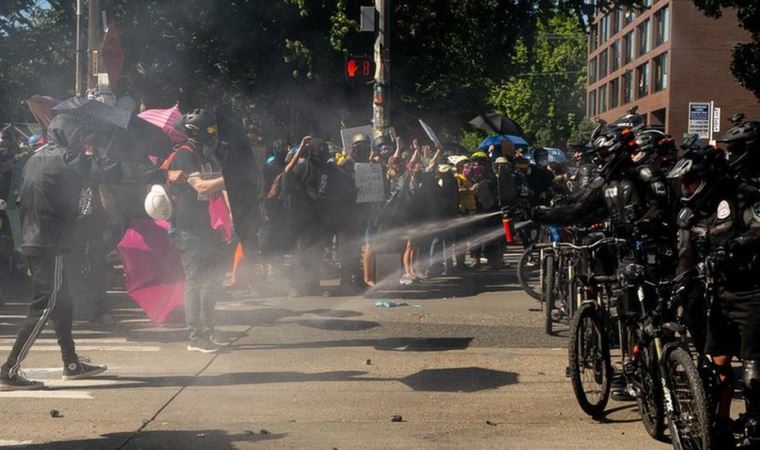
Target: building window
{"points": [[603, 64], [629, 16], [592, 38], [592, 103], [661, 72], [604, 27], [617, 21], [643, 37], [615, 56], [642, 80], [602, 99], [628, 48], [662, 22], [627, 87], [614, 93], [592, 71]]}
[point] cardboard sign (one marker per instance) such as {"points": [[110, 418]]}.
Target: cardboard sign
{"points": [[431, 134], [370, 183]]}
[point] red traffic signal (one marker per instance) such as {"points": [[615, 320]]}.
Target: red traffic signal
{"points": [[360, 68]]}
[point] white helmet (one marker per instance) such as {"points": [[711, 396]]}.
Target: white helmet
{"points": [[158, 205]]}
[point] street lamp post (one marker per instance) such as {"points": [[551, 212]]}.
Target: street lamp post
{"points": [[380, 112]]}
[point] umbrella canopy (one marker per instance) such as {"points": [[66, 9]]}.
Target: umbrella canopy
{"points": [[41, 107], [497, 140], [165, 120], [98, 114], [153, 271], [241, 175], [497, 123]]}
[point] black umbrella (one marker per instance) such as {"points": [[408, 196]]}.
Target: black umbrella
{"points": [[95, 113], [241, 176], [497, 123]]}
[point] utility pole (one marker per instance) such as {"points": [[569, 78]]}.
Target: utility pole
{"points": [[78, 74], [93, 44], [380, 116]]}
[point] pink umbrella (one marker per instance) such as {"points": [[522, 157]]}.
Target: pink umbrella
{"points": [[165, 119], [154, 276]]}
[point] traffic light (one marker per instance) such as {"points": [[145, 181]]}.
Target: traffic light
{"points": [[360, 68]]}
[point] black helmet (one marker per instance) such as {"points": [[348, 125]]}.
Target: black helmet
{"points": [[699, 170], [632, 120], [612, 151], [652, 144], [197, 124], [741, 142]]}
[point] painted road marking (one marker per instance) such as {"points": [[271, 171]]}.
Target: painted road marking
{"points": [[77, 340], [7, 443], [62, 394], [93, 348]]}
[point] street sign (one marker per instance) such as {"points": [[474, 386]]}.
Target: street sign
{"points": [[716, 120], [699, 119], [112, 56], [360, 68], [367, 22]]}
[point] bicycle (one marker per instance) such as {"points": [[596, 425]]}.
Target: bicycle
{"points": [[590, 362], [662, 374]]}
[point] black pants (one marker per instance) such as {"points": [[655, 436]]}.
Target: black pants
{"points": [[49, 301], [200, 258]]}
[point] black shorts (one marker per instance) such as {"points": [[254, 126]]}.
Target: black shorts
{"points": [[733, 327]]}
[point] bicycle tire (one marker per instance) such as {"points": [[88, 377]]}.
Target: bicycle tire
{"points": [[650, 401], [580, 334], [547, 292], [522, 276], [692, 425]]}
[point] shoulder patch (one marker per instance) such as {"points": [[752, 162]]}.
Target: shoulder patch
{"points": [[724, 210], [756, 211]]}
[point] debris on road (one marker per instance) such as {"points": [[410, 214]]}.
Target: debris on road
{"points": [[263, 431], [493, 424], [388, 304], [55, 414], [397, 418], [368, 362], [200, 435]]}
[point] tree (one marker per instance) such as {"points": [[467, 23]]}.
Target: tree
{"points": [[547, 95], [745, 62]]}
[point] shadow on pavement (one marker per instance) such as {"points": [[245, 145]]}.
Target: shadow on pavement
{"points": [[457, 379], [169, 439], [402, 344], [462, 379], [628, 407]]}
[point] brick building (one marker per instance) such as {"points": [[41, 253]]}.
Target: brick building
{"points": [[661, 59]]}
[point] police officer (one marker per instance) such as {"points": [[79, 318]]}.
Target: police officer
{"points": [[720, 219]]}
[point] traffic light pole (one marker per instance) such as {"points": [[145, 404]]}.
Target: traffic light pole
{"points": [[93, 43], [78, 74], [380, 116]]}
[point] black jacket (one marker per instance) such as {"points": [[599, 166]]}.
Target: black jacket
{"points": [[53, 179]]}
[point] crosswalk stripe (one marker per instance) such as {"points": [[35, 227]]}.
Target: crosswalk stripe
{"points": [[77, 340], [62, 394], [93, 348], [11, 443]]}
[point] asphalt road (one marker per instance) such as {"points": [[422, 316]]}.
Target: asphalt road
{"points": [[463, 360]]}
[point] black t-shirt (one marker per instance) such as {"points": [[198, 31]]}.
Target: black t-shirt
{"points": [[190, 214]]}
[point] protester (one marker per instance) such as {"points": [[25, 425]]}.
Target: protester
{"points": [[199, 246], [50, 194]]}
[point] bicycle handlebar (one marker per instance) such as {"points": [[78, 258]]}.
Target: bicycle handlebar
{"points": [[568, 245]]}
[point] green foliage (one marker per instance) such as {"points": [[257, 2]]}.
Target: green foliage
{"points": [[471, 139], [281, 61], [546, 95]]}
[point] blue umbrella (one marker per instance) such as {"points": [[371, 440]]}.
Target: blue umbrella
{"points": [[497, 139]]}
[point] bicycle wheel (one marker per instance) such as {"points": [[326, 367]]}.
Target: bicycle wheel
{"points": [[650, 403], [589, 358], [529, 272], [690, 423], [548, 292]]}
